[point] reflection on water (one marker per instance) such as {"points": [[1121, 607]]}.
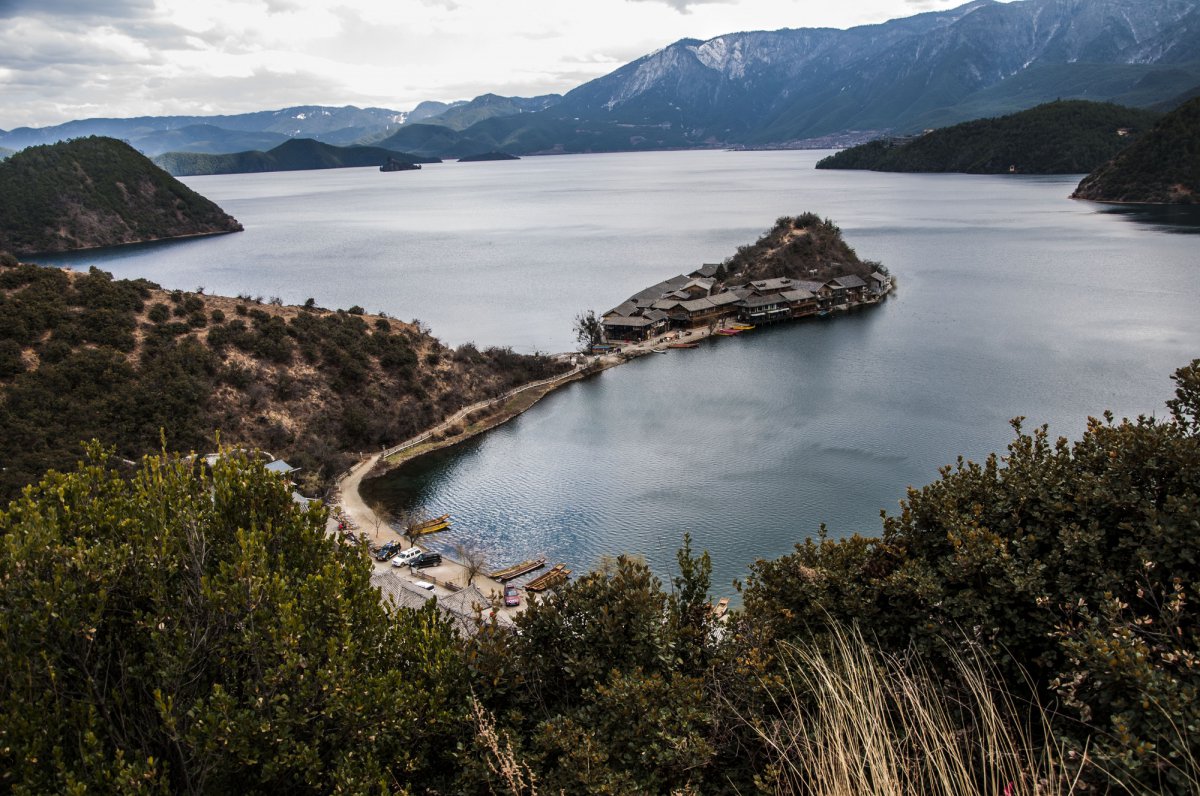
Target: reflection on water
{"points": [[1181, 219]]}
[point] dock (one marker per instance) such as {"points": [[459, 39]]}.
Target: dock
{"points": [[517, 570], [555, 577]]}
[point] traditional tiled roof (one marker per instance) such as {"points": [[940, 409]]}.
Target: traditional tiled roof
{"points": [[850, 281], [707, 271], [794, 296], [632, 321], [811, 287], [772, 285], [761, 301]]}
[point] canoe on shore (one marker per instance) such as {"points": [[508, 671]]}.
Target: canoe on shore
{"points": [[417, 526], [684, 345], [555, 577]]}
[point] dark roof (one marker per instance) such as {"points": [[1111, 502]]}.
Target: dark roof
{"points": [[633, 321], [811, 287], [797, 295], [761, 301], [850, 281], [878, 277], [707, 270]]}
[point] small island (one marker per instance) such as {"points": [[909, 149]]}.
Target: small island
{"points": [[487, 156], [399, 165]]}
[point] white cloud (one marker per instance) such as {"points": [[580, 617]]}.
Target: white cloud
{"points": [[683, 6]]}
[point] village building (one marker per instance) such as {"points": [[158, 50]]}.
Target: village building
{"points": [[698, 299]]}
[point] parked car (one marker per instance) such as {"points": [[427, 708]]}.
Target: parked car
{"points": [[406, 557], [427, 560], [511, 596], [387, 551]]}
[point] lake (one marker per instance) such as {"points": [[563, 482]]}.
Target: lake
{"points": [[1012, 300]]}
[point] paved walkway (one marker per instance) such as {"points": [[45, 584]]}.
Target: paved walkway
{"points": [[365, 520]]}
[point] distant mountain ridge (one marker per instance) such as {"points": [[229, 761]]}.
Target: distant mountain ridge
{"points": [[767, 88], [156, 134], [761, 87], [1067, 137], [93, 192], [294, 154]]}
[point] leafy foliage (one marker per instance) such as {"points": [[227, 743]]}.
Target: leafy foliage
{"points": [[1065, 137], [187, 632], [93, 192]]}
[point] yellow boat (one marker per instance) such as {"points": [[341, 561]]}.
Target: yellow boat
{"points": [[424, 529]]}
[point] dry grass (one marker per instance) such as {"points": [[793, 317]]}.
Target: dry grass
{"points": [[856, 722]]}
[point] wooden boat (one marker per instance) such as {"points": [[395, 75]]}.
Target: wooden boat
{"points": [[555, 577], [417, 526], [719, 610], [517, 570], [659, 350], [728, 332], [441, 526], [745, 327], [684, 345]]}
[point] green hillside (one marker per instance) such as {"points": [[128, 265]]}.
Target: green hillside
{"points": [[93, 192], [87, 356], [1163, 167], [297, 154], [1068, 137]]}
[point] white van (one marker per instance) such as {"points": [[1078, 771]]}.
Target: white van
{"points": [[406, 557]]}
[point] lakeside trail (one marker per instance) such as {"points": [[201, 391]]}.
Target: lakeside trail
{"points": [[452, 575]]}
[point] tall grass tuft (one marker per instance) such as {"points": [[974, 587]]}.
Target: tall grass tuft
{"points": [[851, 721]]}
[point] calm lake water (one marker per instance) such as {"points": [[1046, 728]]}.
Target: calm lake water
{"points": [[1013, 300]]}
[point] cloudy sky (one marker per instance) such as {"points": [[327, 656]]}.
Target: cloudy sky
{"points": [[71, 59]]}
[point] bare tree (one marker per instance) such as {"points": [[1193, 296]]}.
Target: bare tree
{"points": [[472, 559]]}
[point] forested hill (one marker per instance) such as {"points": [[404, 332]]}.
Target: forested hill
{"points": [[85, 356], [93, 192], [800, 247], [298, 154], [1067, 137], [1161, 168]]}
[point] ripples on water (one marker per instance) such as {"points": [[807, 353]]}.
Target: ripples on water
{"points": [[1013, 300]]}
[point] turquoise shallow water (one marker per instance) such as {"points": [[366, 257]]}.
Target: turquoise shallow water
{"points": [[1013, 300]]}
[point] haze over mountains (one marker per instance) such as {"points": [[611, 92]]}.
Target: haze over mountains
{"points": [[760, 88]]}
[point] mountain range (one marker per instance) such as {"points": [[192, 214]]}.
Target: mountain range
{"points": [[761, 88]]}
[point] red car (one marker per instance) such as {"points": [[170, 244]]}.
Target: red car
{"points": [[511, 596]]}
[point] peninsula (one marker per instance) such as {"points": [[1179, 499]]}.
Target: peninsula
{"points": [[1162, 168], [801, 267], [1065, 137], [297, 154]]}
